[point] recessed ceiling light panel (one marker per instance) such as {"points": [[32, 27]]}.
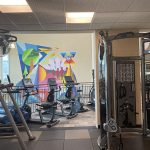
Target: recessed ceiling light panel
{"points": [[14, 6], [13, 2], [79, 17]]}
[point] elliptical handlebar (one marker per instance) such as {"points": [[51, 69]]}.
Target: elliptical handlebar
{"points": [[71, 84], [4, 86]]}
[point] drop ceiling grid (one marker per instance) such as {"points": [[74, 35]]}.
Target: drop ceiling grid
{"points": [[50, 15]]}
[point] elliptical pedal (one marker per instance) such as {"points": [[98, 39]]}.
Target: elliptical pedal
{"points": [[52, 123], [71, 116]]}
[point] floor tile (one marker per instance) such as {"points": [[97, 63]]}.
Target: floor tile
{"points": [[31, 145], [52, 135], [82, 144], [77, 134], [34, 133], [94, 144], [6, 145], [94, 133], [49, 145]]}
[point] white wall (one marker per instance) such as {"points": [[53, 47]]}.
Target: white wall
{"points": [[65, 42]]}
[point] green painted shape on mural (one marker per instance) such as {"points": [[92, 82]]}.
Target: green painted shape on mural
{"points": [[30, 55], [25, 72]]}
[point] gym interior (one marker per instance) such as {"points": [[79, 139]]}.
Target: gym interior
{"points": [[71, 83]]}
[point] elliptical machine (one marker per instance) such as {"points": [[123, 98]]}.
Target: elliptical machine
{"points": [[25, 111]]}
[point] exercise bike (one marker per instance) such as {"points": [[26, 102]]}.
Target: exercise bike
{"points": [[50, 105], [71, 86], [62, 102]]}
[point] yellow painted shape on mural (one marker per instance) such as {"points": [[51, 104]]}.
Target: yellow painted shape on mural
{"points": [[41, 73], [45, 50], [45, 61], [29, 75], [68, 73]]}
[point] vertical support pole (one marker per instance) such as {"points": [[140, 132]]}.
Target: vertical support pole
{"points": [[143, 86], [21, 142], [31, 137], [108, 87]]}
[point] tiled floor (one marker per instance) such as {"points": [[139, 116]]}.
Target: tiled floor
{"points": [[57, 139], [75, 138], [78, 133]]}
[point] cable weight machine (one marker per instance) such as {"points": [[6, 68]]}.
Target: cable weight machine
{"points": [[110, 126]]}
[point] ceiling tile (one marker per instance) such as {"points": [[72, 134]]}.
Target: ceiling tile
{"points": [[124, 25], [80, 5], [140, 5], [9, 27], [46, 5], [143, 25], [47, 18], [135, 17], [106, 17], [101, 25], [4, 19], [22, 18], [33, 27], [48, 11], [78, 26], [113, 5], [56, 27]]}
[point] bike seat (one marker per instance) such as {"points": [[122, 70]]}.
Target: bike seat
{"points": [[47, 105]]}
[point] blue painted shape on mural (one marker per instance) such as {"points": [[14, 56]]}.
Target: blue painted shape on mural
{"points": [[21, 47], [63, 54], [34, 76], [73, 53]]}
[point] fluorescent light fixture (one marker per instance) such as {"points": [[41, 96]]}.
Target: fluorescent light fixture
{"points": [[79, 17], [13, 2], [14, 6], [15, 9]]}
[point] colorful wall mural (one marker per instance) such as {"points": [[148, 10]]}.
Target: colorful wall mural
{"points": [[40, 63]]}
